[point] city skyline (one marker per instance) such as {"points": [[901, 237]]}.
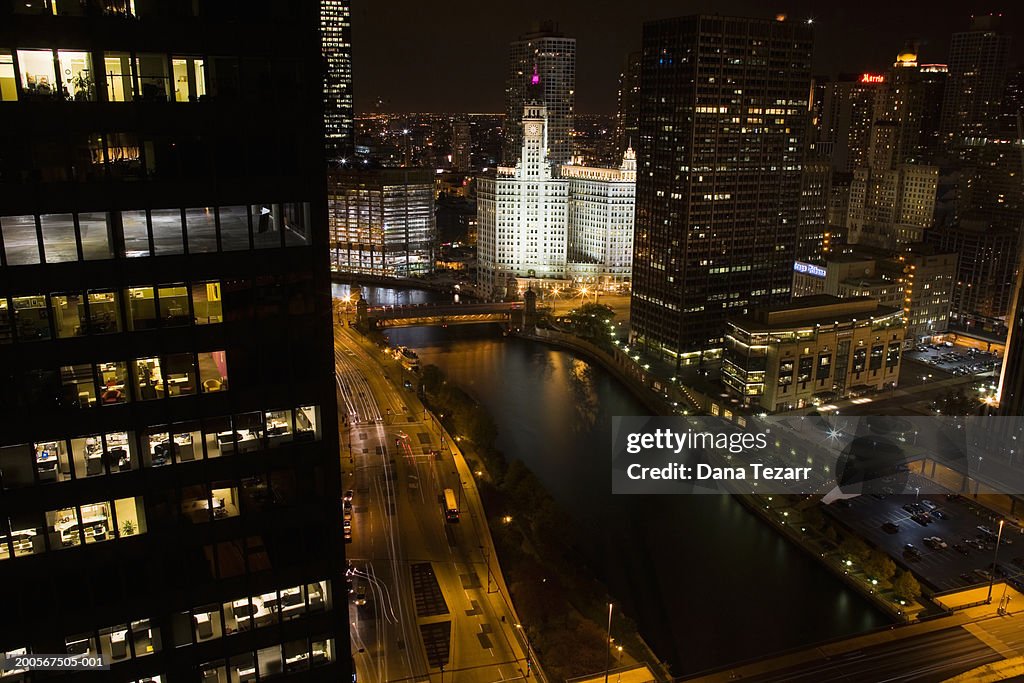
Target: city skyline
{"points": [[606, 32], [318, 322]]}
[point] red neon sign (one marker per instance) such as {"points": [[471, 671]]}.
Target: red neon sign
{"points": [[872, 78]]}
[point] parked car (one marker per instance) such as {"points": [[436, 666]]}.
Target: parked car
{"points": [[962, 549], [928, 504], [911, 552], [935, 542], [891, 527], [940, 514]]}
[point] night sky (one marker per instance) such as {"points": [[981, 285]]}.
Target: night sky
{"points": [[452, 56]]}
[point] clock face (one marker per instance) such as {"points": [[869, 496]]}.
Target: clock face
{"points": [[533, 129]]}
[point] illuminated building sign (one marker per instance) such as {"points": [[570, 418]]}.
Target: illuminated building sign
{"points": [[872, 78], [808, 269]]}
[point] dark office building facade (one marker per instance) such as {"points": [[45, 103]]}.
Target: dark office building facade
{"points": [[723, 109], [977, 76], [169, 476]]}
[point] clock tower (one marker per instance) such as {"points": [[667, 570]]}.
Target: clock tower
{"points": [[533, 158]]}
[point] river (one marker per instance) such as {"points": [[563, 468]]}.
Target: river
{"points": [[708, 583]]}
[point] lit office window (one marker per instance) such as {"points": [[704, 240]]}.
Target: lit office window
{"points": [[68, 315], [95, 231], [38, 77], [206, 300], [249, 428], [69, 527], [207, 623], [31, 318], [159, 450], [213, 371], [87, 456], [104, 312], [51, 460], [280, 427], [8, 87], [307, 423], [136, 233], [113, 383], [21, 244], [122, 156], [188, 441], [6, 328], [323, 652], [224, 500], [189, 79], [131, 517], [78, 82], [174, 305], [114, 643], [118, 69], [149, 382], [117, 452]]}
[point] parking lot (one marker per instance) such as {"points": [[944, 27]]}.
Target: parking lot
{"points": [[953, 519], [955, 361]]}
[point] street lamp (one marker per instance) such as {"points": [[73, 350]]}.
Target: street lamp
{"points": [[995, 558]]}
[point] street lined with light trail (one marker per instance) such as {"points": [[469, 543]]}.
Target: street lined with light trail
{"points": [[429, 594]]}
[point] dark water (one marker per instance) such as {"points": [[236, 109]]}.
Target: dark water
{"points": [[707, 582]]}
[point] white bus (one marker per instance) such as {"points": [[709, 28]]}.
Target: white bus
{"points": [[450, 507]]}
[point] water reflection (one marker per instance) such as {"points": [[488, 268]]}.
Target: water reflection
{"points": [[707, 581]]}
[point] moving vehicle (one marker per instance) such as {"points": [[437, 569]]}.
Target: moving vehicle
{"points": [[450, 507]]}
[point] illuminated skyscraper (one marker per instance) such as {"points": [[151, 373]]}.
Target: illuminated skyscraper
{"points": [[542, 64], [169, 438], [381, 220], [339, 110], [723, 111]]}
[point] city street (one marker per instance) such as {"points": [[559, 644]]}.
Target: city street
{"points": [[421, 595]]}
